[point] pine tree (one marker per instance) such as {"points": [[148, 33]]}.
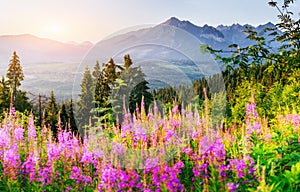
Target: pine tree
{"points": [[116, 82], [21, 102], [51, 114], [110, 72], [97, 71], [4, 95], [72, 120], [97, 83], [134, 86], [15, 75], [135, 99], [127, 61], [85, 103], [103, 90], [64, 117]]}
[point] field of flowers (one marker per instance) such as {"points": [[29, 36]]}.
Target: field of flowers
{"points": [[257, 155]]}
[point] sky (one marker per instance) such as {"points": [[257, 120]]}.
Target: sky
{"points": [[93, 20]]}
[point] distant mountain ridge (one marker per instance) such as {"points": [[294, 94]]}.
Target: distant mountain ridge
{"points": [[168, 37], [194, 29], [221, 34], [33, 49], [235, 34], [173, 46]]}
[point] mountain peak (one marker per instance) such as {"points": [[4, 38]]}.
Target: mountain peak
{"points": [[172, 21], [267, 25], [192, 28]]}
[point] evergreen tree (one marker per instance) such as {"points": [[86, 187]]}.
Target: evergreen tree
{"points": [[115, 82], [101, 95], [72, 121], [64, 117], [51, 114], [4, 95], [134, 86], [110, 72], [103, 90], [15, 75], [85, 103], [135, 98], [98, 84], [21, 102], [97, 71], [127, 61]]}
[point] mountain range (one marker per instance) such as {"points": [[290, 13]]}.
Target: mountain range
{"points": [[32, 49], [172, 47]]}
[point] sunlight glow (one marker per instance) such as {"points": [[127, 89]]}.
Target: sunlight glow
{"points": [[54, 29]]}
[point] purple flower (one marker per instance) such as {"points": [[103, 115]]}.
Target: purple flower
{"points": [[12, 157], [87, 157], [53, 152], [140, 132], [19, 134], [11, 161], [175, 109], [176, 123], [86, 180], [75, 172], [232, 187], [98, 154], [296, 120], [31, 129], [29, 166], [126, 128], [150, 163], [117, 148], [45, 175], [12, 112], [150, 116], [256, 126], [4, 138], [251, 120], [69, 189], [109, 177], [195, 134], [188, 151], [183, 112], [124, 176], [127, 117], [64, 136], [179, 165], [251, 111], [205, 144], [239, 166], [198, 170], [169, 134]]}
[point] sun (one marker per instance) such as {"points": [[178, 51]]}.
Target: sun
{"points": [[54, 29]]}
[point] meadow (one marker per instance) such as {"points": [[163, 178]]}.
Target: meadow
{"points": [[254, 155]]}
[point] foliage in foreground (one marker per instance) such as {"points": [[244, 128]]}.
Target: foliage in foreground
{"points": [[254, 156]]}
